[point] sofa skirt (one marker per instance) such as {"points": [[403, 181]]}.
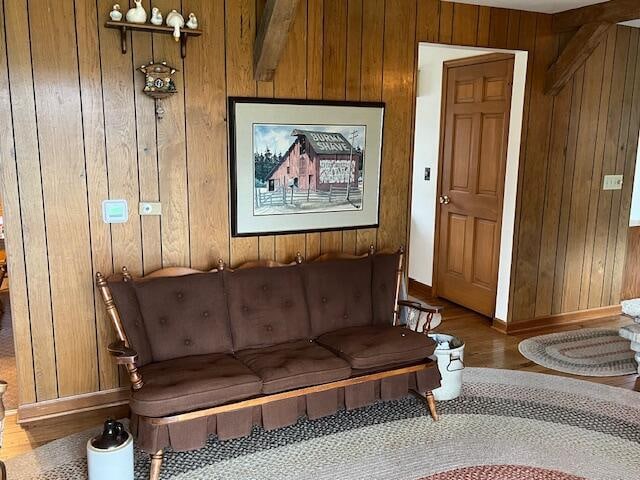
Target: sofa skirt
{"points": [[193, 434]]}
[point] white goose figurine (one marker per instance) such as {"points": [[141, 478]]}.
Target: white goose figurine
{"points": [[137, 14], [175, 20], [116, 14], [156, 16], [192, 23]]}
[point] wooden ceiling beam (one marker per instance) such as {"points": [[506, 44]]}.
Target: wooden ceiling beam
{"points": [[581, 45], [271, 38], [613, 11]]}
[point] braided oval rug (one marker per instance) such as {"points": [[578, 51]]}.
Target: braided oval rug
{"points": [[592, 352], [507, 425]]}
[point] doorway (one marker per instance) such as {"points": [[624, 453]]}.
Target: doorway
{"points": [[426, 175], [476, 105]]}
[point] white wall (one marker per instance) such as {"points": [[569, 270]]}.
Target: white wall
{"points": [[635, 200], [426, 150]]}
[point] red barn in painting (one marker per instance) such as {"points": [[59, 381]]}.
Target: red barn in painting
{"points": [[317, 161]]}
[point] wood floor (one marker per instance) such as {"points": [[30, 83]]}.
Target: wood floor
{"points": [[485, 347]]}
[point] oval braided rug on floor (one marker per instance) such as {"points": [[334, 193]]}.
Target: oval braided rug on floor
{"points": [[507, 425], [591, 352]]}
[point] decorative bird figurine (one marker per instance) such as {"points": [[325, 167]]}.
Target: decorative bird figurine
{"points": [[116, 14], [192, 23], [137, 14], [175, 20], [156, 16]]}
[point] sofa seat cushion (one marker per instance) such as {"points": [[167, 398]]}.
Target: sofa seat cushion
{"points": [[378, 345], [191, 383], [294, 365]]}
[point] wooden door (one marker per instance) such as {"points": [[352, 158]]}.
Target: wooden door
{"points": [[475, 125]]}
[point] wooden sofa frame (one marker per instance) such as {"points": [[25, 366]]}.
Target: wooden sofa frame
{"points": [[123, 354]]}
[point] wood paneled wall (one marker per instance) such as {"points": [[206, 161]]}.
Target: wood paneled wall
{"points": [[76, 129]]}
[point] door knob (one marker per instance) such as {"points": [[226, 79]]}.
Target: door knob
{"points": [[445, 200]]}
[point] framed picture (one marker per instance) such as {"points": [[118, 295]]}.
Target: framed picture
{"points": [[303, 166]]}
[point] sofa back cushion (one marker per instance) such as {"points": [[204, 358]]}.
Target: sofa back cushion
{"points": [[266, 306], [383, 287], [338, 294], [185, 315], [124, 296]]}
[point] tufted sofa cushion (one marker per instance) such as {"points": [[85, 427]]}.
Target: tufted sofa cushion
{"points": [[294, 365], [185, 315], [190, 383], [266, 306], [126, 302], [383, 287], [378, 346], [338, 294]]}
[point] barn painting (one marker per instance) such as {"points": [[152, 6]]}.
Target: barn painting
{"points": [[308, 168]]}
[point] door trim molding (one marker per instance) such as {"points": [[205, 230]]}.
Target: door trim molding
{"points": [[473, 60]]}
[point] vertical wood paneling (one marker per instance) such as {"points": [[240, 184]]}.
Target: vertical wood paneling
{"points": [[65, 195], [97, 179], [428, 20], [206, 108], [334, 75], [598, 163], [499, 28], [29, 179], [122, 152], [484, 24], [172, 154], [114, 147], [289, 82], [398, 95], [354, 75], [631, 149], [371, 66], [240, 34], [465, 24], [446, 22], [315, 56], [614, 117], [565, 210], [582, 177], [631, 282], [147, 151], [14, 231], [621, 153]]}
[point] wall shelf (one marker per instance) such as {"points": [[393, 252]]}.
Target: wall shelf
{"points": [[147, 27]]}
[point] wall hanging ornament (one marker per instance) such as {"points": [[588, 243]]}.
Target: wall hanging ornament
{"points": [[137, 14], [156, 16], [158, 82], [176, 21], [116, 14]]}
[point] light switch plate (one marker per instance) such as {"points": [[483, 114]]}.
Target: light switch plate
{"points": [[150, 208], [612, 182], [115, 211]]}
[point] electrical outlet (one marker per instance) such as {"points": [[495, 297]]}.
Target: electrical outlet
{"points": [[612, 182], [150, 208]]}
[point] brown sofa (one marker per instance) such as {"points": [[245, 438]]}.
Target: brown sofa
{"points": [[218, 352]]}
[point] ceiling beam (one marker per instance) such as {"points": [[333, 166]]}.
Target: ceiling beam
{"points": [[271, 39], [614, 11], [581, 45]]}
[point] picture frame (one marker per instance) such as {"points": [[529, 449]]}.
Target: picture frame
{"points": [[300, 166]]}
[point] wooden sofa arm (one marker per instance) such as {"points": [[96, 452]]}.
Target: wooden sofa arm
{"points": [[422, 308], [419, 306], [128, 357], [122, 354]]}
